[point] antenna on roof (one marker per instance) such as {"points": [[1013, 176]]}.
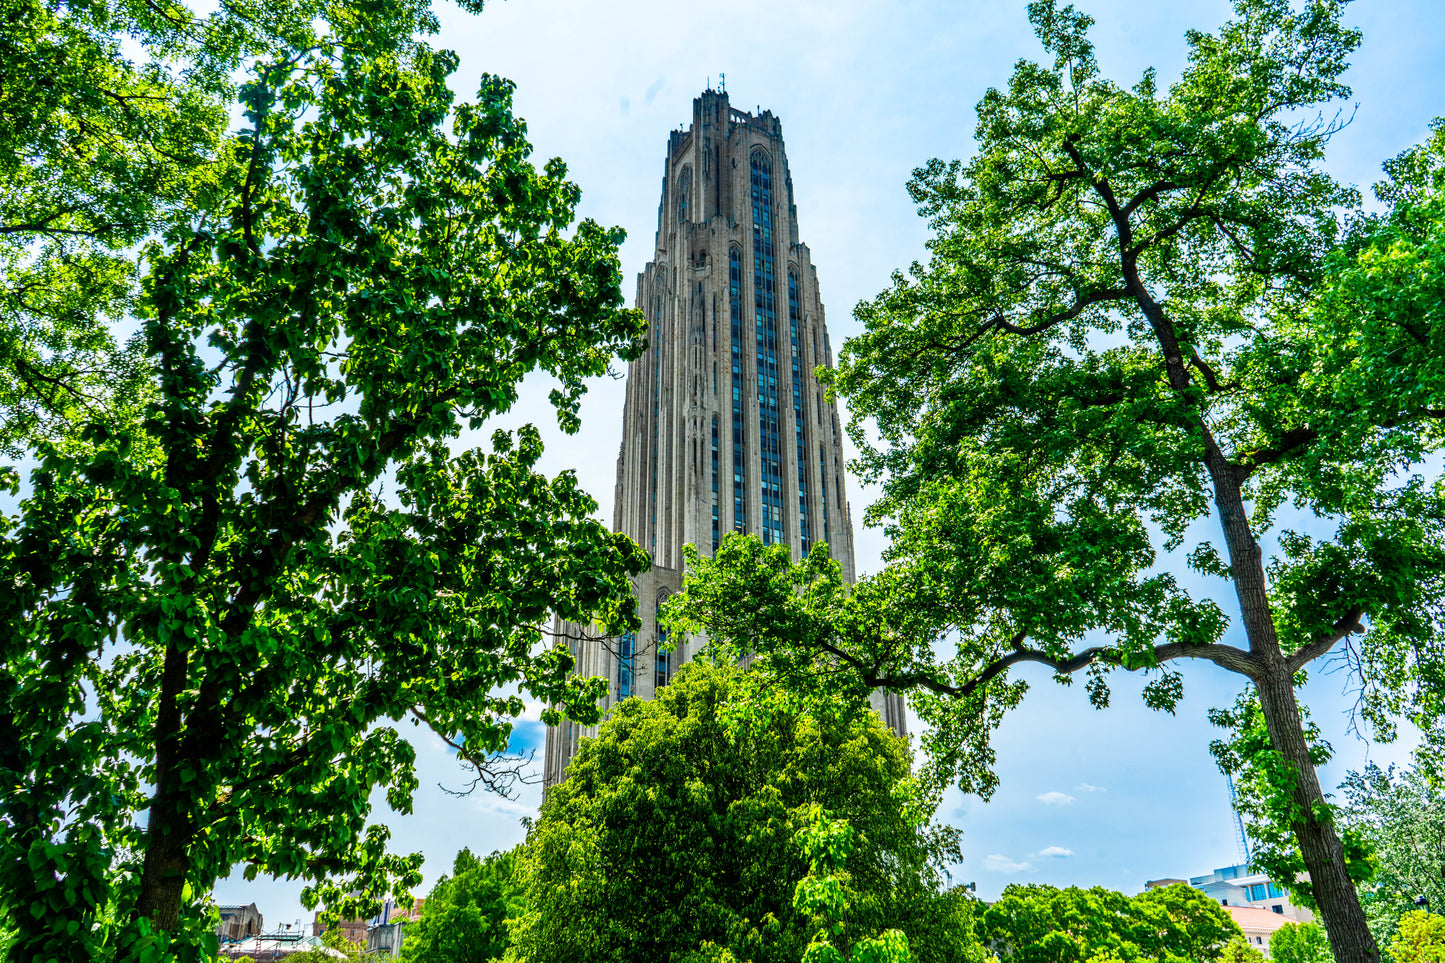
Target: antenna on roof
{"points": [[722, 83]]}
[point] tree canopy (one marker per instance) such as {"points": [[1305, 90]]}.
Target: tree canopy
{"points": [[1043, 924], [675, 836], [1300, 943], [1421, 938], [218, 612], [464, 918], [113, 127], [1401, 815], [1144, 307]]}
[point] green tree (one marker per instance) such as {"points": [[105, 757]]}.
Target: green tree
{"points": [[1402, 816], [113, 120], [215, 619], [675, 835], [1239, 951], [1300, 943], [821, 896], [1043, 924], [1141, 311], [1421, 938], [464, 920]]}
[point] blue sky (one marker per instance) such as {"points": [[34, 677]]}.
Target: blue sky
{"points": [[866, 92]]}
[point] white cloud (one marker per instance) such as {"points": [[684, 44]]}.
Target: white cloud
{"points": [[1058, 852], [996, 863], [1055, 798], [1085, 787]]}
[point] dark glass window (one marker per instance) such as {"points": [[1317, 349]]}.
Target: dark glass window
{"points": [[823, 487], [625, 655], [735, 295], [715, 532], [765, 311], [664, 659], [799, 416]]}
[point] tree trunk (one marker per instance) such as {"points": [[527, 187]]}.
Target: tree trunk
{"points": [[169, 829], [1324, 855]]}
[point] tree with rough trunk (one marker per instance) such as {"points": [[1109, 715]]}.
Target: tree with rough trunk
{"points": [[1144, 308], [215, 618]]}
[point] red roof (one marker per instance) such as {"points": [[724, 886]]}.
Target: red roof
{"points": [[1254, 919]]}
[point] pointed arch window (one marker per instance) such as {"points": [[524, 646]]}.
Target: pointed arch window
{"points": [[684, 194], [662, 671]]}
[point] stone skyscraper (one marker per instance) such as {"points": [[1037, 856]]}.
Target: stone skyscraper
{"points": [[725, 427]]}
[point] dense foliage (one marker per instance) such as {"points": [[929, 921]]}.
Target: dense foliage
{"points": [[1420, 938], [1044, 924], [464, 918], [1300, 943], [675, 836], [1144, 307], [113, 127], [220, 604], [1401, 814]]}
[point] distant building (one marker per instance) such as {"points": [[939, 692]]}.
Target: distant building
{"points": [[386, 930], [1253, 900], [275, 948], [1258, 924], [238, 922], [353, 930], [1237, 886]]}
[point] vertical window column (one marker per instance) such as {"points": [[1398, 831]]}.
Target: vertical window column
{"points": [[735, 291], [823, 487], [715, 522], [664, 659], [771, 525], [800, 416]]}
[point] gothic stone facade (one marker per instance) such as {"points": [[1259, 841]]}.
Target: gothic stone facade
{"points": [[725, 428]]}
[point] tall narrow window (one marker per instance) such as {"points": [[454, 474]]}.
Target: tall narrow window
{"points": [[684, 193], [715, 529], [625, 654], [656, 415], [823, 487], [735, 292], [800, 415], [664, 659], [770, 525]]}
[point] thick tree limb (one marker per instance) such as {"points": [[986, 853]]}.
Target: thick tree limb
{"points": [[1290, 442], [1225, 656], [1344, 627]]}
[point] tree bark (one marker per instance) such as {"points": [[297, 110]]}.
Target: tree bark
{"points": [[1324, 854], [169, 828]]}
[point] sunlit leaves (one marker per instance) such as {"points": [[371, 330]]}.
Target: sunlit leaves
{"points": [[223, 608]]}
